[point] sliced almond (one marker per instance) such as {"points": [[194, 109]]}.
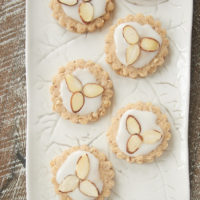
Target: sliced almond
{"points": [[132, 125], [88, 188], [77, 102], [86, 12], [133, 143], [92, 90], [132, 54], [130, 35], [149, 44], [69, 2], [73, 84], [151, 136], [83, 167], [69, 184]]}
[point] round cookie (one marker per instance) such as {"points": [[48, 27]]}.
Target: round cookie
{"points": [[81, 91], [82, 16], [136, 46], [82, 172], [139, 133]]}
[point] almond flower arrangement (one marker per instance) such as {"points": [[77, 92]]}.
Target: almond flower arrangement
{"points": [[79, 179], [79, 92], [137, 44], [137, 138], [86, 9]]}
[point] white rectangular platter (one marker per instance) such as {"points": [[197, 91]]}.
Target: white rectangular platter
{"points": [[49, 46]]}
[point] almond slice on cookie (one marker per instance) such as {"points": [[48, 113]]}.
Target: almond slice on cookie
{"points": [[83, 167], [149, 44], [73, 84], [92, 90], [86, 12], [134, 143], [69, 2], [132, 125], [130, 35], [69, 184], [151, 136], [88, 188], [77, 102], [132, 54]]}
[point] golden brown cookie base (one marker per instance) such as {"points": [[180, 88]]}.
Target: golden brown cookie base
{"points": [[105, 168], [75, 26], [102, 78], [161, 121], [131, 71]]}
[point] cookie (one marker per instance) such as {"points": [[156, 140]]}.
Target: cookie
{"points": [[136, 46], [81, 91], [139, 133], [82, 16], [82, 172]]}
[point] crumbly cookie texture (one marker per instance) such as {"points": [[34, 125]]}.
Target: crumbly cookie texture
{"points": [[102, 78], [76, 26], [130, 71], [162, 123], [105, 169]]}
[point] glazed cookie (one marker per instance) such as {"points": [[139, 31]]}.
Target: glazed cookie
{"points": [[82, 15], [82, 173], [139, 133], [136, 46], [81, 91]]}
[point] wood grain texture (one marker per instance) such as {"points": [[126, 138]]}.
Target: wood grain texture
{"points": [[194, 122], [13, 102]]}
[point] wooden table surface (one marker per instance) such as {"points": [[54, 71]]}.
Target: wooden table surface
{"points": [[13, 102]]}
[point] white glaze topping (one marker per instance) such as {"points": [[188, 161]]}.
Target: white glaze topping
{"points": [[68, 168], [121, 44], [147, 121], [73, 11], [91, 104]]}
